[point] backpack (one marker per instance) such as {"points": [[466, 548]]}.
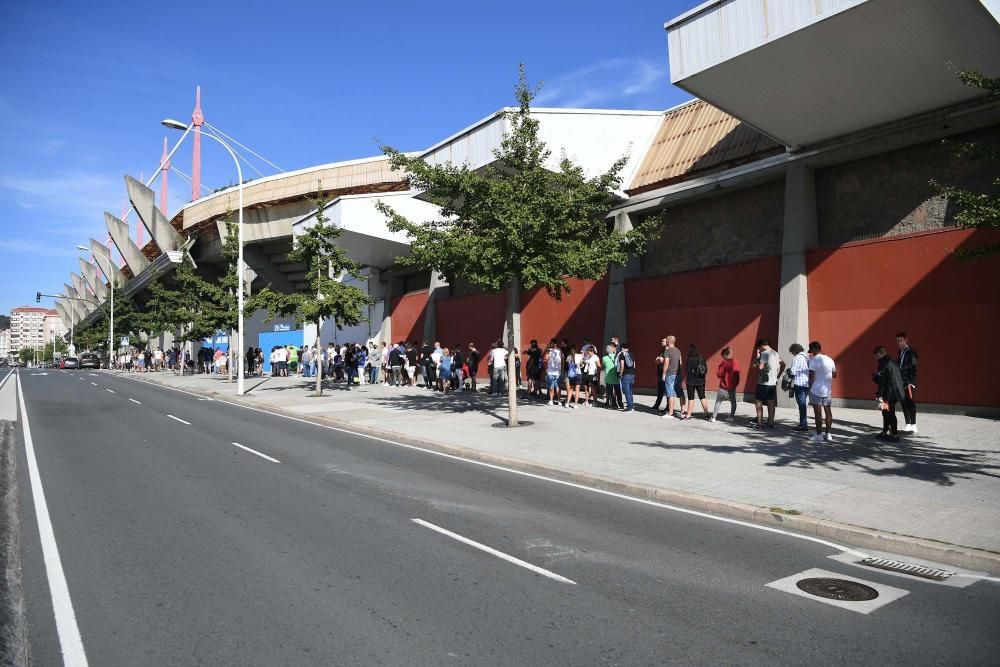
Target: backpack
{"points": [[628, 360], [571, 368], [701, 369]]}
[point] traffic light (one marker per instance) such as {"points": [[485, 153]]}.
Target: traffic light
{"points": [[38, 297]]}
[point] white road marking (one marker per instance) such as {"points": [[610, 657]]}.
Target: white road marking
{"points": [[494, 552], [204, 399], [66, 627], [552, 480], [254, 451], [135, 401], [94, 383], [110, 390], [179, 419]]}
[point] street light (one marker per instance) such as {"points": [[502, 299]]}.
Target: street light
{"points": [[177, 125]]}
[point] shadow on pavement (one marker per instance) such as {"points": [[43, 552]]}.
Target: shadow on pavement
{"points": [[911, 457]]}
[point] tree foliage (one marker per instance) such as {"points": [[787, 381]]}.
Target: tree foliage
{"points": [[977, 210], [516, 219], [325, 264], [518, 223]]}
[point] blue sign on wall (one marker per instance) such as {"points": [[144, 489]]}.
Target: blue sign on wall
{"points": [[268, 340]]}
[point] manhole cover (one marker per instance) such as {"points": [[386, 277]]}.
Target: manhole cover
{"points": [[837, 589]]}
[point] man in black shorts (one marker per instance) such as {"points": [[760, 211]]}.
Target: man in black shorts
{"points": [[472, 360]]}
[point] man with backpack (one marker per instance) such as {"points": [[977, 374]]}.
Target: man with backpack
{"points": [[626, 375]]}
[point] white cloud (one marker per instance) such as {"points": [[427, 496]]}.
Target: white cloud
{"points": [[34, 248], [616, 81], [71, 199]]}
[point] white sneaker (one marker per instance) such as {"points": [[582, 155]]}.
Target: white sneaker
{"points": [[712, 420], [828, 437], [816, 437], [913, 429], [666, 415], [551, 403], [905, 429]]}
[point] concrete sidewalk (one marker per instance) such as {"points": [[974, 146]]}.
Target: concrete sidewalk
{"points": [[941, 487]]}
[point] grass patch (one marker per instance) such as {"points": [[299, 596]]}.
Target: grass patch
{"points": [[782, 510]]}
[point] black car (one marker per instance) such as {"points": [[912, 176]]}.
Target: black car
{"points": [[89, 360]]}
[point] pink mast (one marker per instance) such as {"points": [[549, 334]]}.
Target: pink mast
{"points": [[164, 171], [197, 119]]}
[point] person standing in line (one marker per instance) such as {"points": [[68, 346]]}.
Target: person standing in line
{"points": [[626, 376], [436, 360], [444, 364], [908, 369], [799, 371], [671, 369], [728, 373], [822, 370], [472, 359], [890, 391], [591, 375], [553, 371], [498, 359], [573, 361], [306, 362], [697, 369], [661, 387], [612, 383], [534, 365], [769, 367]]}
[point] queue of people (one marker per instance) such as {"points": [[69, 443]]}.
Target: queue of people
{"points": [[570, 376]]}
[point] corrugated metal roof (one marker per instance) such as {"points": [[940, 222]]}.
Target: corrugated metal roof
{"points": [[694, 138]]}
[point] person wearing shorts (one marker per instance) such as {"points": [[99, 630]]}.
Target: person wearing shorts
{"points": [[553, 371], [591, 375], [822, 370], [574, 362], [671, 368], [769, 368], [697, 368]]}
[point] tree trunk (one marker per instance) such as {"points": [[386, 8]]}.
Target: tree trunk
{"points": [[317, 356], [513, 322]]}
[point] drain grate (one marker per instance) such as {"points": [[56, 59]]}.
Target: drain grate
{"points": [[899, 566], [837, 589]]}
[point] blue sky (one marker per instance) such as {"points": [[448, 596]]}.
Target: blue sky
{"points": [[83, 87]]}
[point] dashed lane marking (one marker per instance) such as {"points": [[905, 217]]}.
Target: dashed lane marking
{"points": [[254, 451], [110, 391], [179, 419], [493, 552], [135, 401]]}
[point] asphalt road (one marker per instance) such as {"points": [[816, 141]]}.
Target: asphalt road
{"points": [[179, 547]]}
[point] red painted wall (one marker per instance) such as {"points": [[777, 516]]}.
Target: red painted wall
{"points": [[476, 318], [407, 314], [579, 315], [861, 294], [714, 307], [479, 318]]}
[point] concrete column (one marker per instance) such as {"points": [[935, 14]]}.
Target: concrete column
{"points": [[381, 288], [800, 232], [438, 289], [615, 315]]}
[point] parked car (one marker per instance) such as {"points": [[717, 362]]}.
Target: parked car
{"points": [[69, 362], [89, 360]]}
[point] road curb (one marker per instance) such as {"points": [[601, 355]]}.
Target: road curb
{"points": [[863, 537]]}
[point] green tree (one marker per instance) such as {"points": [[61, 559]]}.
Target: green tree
{"points": [[516, 224], [26, 355], [326, 265], [977, 210], [4, 322]]}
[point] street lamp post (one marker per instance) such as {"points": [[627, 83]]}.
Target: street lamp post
{"points": [[177, 125]]}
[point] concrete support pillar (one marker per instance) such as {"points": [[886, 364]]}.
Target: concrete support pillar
{"points": [[381, 288], [615, 315], [800, 232], [438, 289]]}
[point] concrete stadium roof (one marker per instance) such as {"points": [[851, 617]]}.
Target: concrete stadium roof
{"points": [[805, 72]]}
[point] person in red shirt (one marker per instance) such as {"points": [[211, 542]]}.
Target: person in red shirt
{"points": [[728, 373]]}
